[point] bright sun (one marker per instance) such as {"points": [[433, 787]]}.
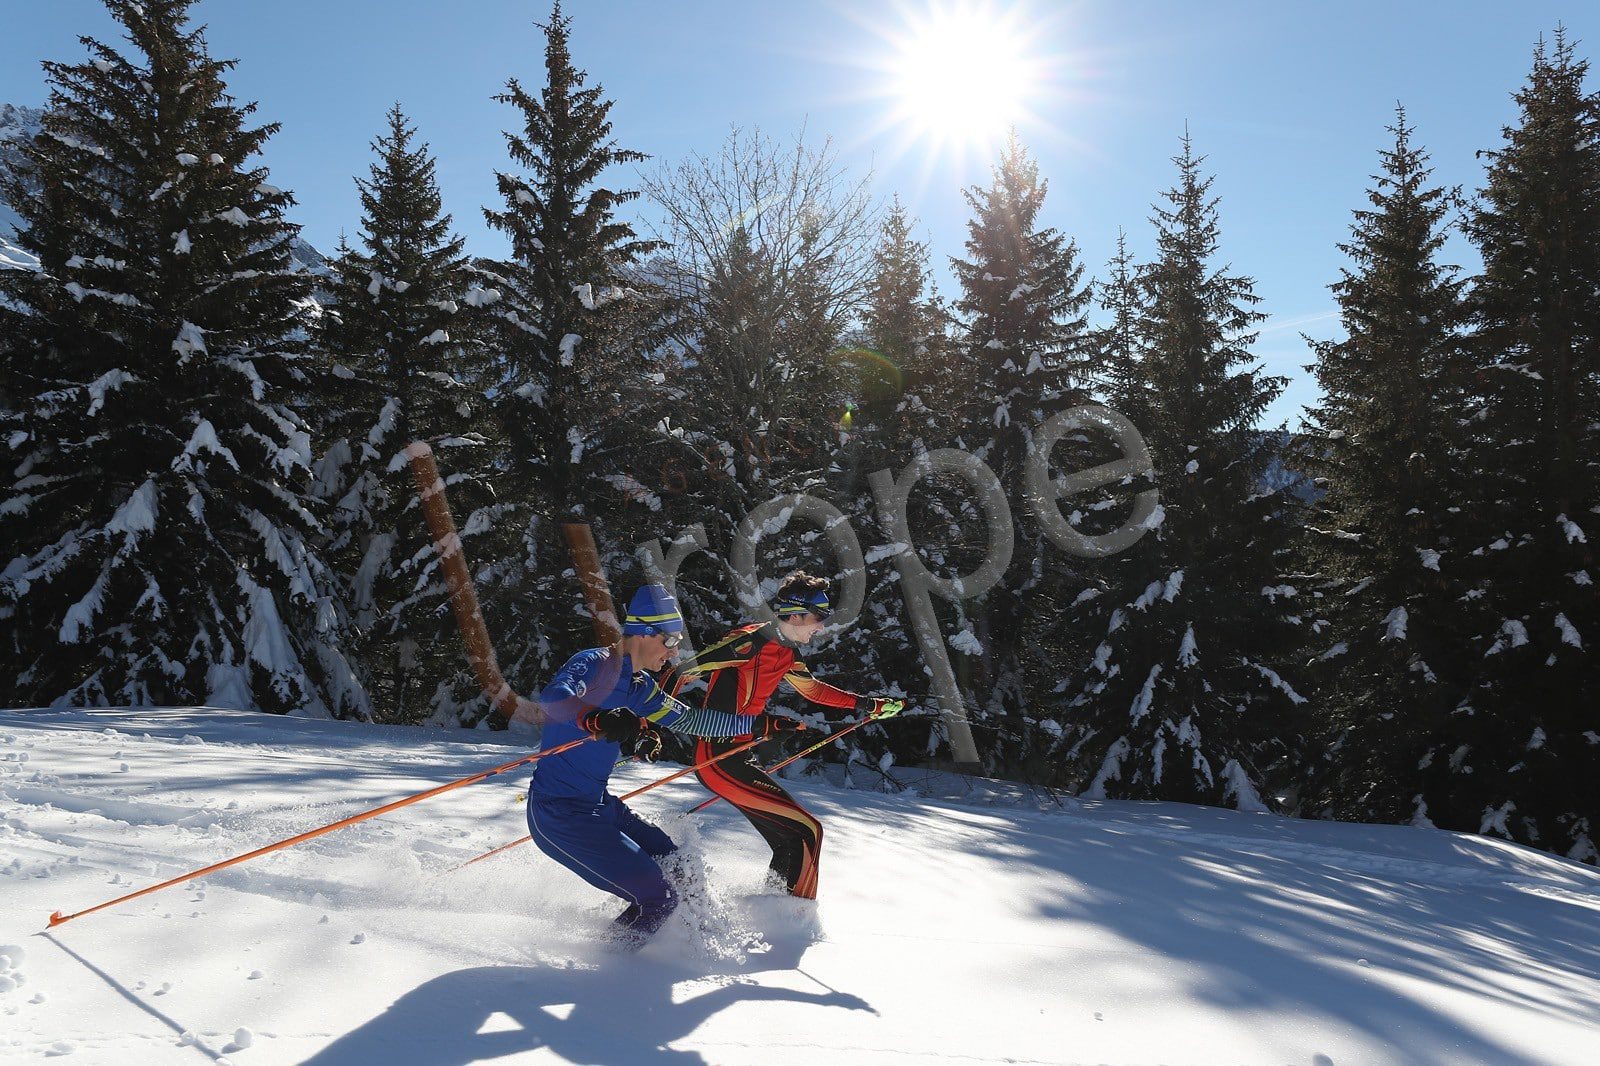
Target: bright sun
{"points": [[963, 76]]}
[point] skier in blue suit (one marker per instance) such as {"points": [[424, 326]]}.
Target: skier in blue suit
{"points": [[610, 694]]}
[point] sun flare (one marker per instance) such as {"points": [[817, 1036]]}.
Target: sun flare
{"points": [[963, 76]]}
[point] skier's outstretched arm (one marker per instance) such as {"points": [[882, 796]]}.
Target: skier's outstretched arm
{"points": [[672, 713], [823, 694]]}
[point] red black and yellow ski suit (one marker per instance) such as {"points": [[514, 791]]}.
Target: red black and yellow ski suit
{"points": [[745, 668]]}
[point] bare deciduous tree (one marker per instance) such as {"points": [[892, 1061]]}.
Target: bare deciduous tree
{"points": [[771, 258]]}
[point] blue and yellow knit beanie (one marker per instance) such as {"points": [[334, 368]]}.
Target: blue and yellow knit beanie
{"points": [[652, 610]]}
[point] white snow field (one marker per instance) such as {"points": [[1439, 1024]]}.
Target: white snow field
{"points": [[981, 930]]}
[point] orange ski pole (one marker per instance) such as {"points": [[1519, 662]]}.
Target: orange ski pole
{"points": [[57, 918], [774, 768], [642, 789]]}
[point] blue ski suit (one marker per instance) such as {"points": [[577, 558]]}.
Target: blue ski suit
{"points": [[571, 816]]}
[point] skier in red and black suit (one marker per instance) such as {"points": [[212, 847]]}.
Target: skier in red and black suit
{"points": [[744, 670]]}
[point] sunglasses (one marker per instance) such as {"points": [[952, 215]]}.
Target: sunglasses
{"points": [[671, 640]]}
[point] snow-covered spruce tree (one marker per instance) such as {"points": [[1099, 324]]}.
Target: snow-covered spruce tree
{"points": [[1183, 698], [155, 512], [573, 326], [1383, 547], [1023, 306], [404, 336], [1533, 773]]}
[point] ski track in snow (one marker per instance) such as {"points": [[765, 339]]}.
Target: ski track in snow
{"points": [[981, 929]]}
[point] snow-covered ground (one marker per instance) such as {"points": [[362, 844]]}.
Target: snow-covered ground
{"points": [[967, 931]]}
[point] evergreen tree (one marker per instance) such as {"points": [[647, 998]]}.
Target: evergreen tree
{"points": [[1533, 770], [569, 304], [1386, 539], [157, 506], [1023, 304], [1118, 341], [407, 342], [573, 323], [1183, 699], [902, 327], [911, 337]]}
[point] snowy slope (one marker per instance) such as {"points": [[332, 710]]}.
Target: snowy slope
{"points": [[967, 932]]}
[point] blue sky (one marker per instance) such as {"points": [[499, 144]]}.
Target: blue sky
{"points": [[1287, 100]]}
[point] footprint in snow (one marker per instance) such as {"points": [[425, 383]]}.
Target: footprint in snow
{"points": [[11, 975]]}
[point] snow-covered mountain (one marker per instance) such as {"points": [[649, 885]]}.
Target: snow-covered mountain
{"points": [[958, 922], [16, 123], [1279, 475], [22, 123]]}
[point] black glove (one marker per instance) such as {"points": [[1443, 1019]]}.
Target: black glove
{"points": [[647, 745], [632, 734], [770, 725]]}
